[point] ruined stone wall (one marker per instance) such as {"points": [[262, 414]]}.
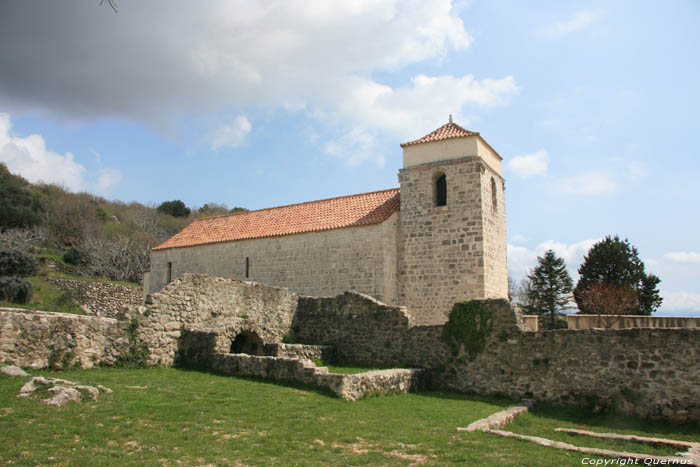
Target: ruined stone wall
{"points": [[228, 306], [441, 248], [36, 338], [367, 332], [633, 371], [197, 349], [314, 263], [98, 298]]}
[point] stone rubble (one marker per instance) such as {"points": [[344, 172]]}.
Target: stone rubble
{"points": [[63, 391], [12, 370]]}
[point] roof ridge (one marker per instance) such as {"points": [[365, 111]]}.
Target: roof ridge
{"points": [[435, 134], [293, 204]]}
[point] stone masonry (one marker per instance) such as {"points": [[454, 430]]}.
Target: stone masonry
{"points": [[652, 373], [423, 255], [98, 298]]}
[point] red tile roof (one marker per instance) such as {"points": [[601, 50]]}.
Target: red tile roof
{"points": [[447, 131], [327, 214]]}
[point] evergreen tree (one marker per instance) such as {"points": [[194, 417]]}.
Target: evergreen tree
{"points": [[549, 286], [616, 262], [175, 208]]}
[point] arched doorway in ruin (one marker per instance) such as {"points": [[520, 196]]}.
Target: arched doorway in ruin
{"points": [[247, 342]]}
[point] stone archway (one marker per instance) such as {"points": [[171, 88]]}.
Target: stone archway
{"points": [[247, 342]]}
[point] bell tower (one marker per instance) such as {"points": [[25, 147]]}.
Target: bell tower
{"points": [[452, 227]]}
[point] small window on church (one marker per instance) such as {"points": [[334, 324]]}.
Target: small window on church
{"points": [[441, 191], [494, 195], [169, 275], [247, 267]]}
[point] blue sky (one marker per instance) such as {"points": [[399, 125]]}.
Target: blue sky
{"points": [[593, 106]]}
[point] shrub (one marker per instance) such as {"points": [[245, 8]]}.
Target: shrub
{"points": [[15, 289], [17, 263], [468, 327], [76, 257]]}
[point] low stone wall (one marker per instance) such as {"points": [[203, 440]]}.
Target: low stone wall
{"points": [[197, 349], [37, 338], [324, 353], [98, 298], [631, 321]]}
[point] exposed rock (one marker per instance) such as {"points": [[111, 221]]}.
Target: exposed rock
{"points": [[12, 370], [497, 420], [62, 395], [63, 390]]}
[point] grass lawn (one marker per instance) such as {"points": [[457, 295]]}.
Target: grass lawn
{"points": [[169, 417]]}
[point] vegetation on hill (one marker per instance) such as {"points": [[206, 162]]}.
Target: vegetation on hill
{"points": [[109, 239]]}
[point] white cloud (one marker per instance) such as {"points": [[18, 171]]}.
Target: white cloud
{"points": [[29, 158], [529, 165], [578, 21], [681, 301], [686, 257], [522, 259], [107, 179], [232, 135], [590, 183], [368, 110], [315, 57]]}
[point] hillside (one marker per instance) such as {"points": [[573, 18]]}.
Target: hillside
{"points": [[105, 239]]}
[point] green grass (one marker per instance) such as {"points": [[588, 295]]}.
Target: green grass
{"points": [[349, 370], [46, 297], [344, 369], [169, 417]]}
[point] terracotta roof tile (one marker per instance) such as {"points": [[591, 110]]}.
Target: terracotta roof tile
{"points": [[327, 214], [447, 131]]}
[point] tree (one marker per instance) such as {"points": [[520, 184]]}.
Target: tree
{"points": [[616, 262], [550, 286], [609, 302], [20, 206], [175, 208]]}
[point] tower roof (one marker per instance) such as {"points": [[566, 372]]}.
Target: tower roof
{"points": [[447, 131], [313, 216]]}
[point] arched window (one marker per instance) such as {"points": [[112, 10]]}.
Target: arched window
{"points": [[441, 190], [494, 195]]}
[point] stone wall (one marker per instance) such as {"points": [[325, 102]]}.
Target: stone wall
{"points": [[578, 321], [634, 371], [98, 298], [228, 306], [36, 338], [367, 332], [315, 263], [325, 353], [198, 350]]}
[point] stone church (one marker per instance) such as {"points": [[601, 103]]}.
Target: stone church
{"points": [[438, 239]]}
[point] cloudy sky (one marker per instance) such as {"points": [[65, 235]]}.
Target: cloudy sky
{"points": [[593, 106]]}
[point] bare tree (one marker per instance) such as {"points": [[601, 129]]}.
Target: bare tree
{"points": [[609, 302], [111, 3]]}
